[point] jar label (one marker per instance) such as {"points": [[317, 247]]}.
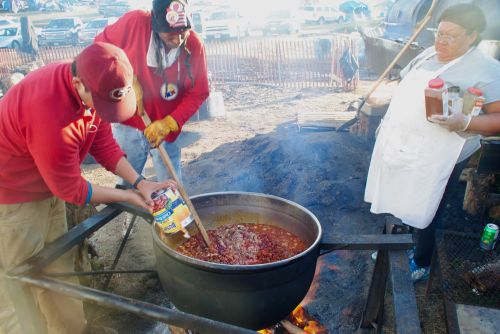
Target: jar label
{"points": [[445, 102], [170, 211]]}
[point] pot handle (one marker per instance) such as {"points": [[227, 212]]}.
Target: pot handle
{"points": [[365, 242]]}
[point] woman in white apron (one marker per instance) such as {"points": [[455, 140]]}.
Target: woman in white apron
{"points": [[414, 157]]}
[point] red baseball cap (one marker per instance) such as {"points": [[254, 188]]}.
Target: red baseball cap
{"points": [[106, 71]]}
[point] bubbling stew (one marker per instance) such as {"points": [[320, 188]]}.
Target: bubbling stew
{"points": [[244, 244]]}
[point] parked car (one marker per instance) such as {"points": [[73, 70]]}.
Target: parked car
{"points": [[225, 24], [54, 6], [88, 3], [8, 20], [10, 35], [379, 8], [94, 27], [13, 6], [355, 10], [61, 31], [112, 8], [320, 14], [199, 24], [282, 21]]}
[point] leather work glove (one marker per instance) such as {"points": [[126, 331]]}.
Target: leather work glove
{"points": [[158, 130], [138, 95], [456, 121]]}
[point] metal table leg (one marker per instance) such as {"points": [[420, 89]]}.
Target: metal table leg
{"points": [[372, 314], [394, 264]]}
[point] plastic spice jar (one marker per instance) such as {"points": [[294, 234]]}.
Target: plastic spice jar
{"points": [[454, 99], [436, 98], [473, 101]]}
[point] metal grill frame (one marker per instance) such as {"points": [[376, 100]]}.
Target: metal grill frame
{"points": [[459, 253], [30, 273]]}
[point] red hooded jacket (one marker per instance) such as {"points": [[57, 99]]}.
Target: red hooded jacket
{"points": [[45, 133], [132, 33]]}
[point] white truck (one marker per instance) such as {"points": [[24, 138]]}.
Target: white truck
{"points": [[226, 24]]}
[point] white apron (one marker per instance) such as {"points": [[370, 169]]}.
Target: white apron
{"points": [[413, 158]]}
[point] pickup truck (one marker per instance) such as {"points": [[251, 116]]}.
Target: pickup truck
{"points": [[61, 31], [226, 24]]}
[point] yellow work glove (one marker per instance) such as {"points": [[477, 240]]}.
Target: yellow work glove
{"points": [[158, 130], [138, 95]]}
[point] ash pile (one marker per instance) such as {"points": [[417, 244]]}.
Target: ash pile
{"points": [[322, 171]]}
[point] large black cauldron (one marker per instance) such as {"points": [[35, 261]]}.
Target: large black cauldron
{"points": [[251, 296]]}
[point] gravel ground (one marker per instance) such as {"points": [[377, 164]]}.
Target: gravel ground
{"points": [[257, 147]]}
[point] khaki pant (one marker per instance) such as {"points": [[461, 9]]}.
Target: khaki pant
{"points": [[25, 228]]}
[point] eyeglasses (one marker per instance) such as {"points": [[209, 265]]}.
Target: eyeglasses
{"points": [[445, 38]]}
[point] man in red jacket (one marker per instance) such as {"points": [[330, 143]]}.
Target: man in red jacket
{"points": [[48, 123], [170, 65], [169, 62]]}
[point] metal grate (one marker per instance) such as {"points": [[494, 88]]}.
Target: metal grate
{"points": [[461, 261]]}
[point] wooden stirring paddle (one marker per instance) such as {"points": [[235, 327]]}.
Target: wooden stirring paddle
{"points": [[171, 170]]}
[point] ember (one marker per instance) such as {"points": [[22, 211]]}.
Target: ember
{"points": [[244, 244], [302, 319], [298, 322]]}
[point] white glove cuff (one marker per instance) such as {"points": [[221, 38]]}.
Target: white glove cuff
{"points": [[467, 122]]}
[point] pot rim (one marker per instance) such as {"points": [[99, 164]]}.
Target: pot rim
{"points": [[250, 267]]}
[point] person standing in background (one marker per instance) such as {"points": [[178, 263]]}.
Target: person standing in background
{"points": [[417, 161], [170, 66], [169, 63]]}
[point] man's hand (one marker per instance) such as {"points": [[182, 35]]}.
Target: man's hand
{"points": [[146, 188], [136, 199], [158, 130], [456, 121]]}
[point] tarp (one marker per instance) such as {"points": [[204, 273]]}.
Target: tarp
{"points": [[403, 17], [349, 7]]}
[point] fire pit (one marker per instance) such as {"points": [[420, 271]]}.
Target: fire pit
{"points": [[285, 281], [251, 296]]}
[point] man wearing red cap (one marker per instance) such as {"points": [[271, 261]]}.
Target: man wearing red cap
{"points": [[48, 123], [169, 62]]}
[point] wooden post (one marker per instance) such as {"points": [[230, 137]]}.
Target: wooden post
{"points": [[476, 192]]}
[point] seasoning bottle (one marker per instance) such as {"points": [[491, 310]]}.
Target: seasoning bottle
{"points": [[454, 99], [473, 101], [436, 98]]}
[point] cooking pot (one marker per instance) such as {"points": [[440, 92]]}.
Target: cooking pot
{"points": [[251, 296]]}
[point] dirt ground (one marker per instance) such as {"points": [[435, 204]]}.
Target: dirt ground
{"points": [[257, 147]]}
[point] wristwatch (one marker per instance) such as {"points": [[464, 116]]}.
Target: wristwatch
{"points": [[139, 179]]}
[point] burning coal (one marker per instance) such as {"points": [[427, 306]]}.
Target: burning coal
{"points": [[298, 322]]}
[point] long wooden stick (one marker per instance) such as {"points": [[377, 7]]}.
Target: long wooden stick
{"points": [[168, 163]]}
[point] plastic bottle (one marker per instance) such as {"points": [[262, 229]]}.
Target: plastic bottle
{"points": [[454, 99], [436, 98], [473, 101]]}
